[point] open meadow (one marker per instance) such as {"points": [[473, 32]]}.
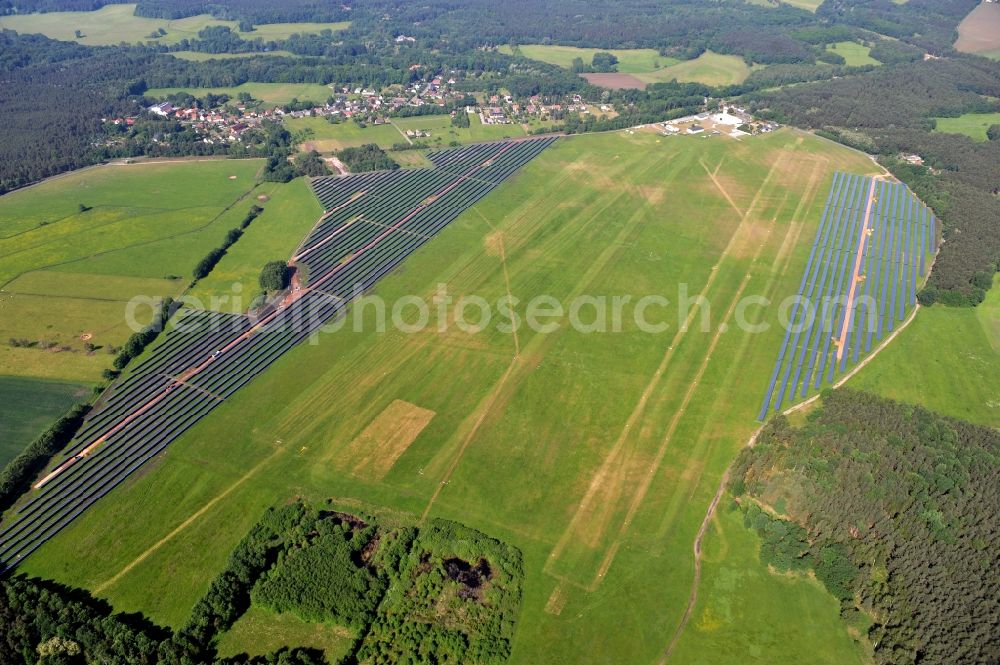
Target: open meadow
{"points": [[638, 60], [855, 54], [317, 133], [66, 272], [973, 125], [115, 23], [638, 67], [595, 453], [28, 407], [947, 360], [289, 213], [269, 93]]}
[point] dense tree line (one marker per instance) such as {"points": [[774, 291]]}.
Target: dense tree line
{"points": [[896, 510], [17, 475], [44, 622], [138, 341], [30, 6]]}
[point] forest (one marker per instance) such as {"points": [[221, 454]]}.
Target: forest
{"points": [[895, 509]]}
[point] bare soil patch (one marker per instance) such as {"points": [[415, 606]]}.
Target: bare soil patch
{"points": [[375, 450], [615, 81], [980, 31]]}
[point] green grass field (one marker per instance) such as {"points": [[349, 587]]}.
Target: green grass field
{"points": [[708, 68], [811, 5], [28, 407], [747, 614], [288, 216], [259, 632], [647, 65], [319, 134], [596, 454], [269, 93], [856, 55], [973, 125], [630, 61], [197, 56], [67, 275], [947, 360], [113, 24]]}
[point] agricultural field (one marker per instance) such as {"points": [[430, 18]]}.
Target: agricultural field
{"points": [[973, 125], [708, 68], [630, 61], [113, 24], [66, 274], [644, 65], [980, 31], [28, 407], [856, 55], [318, 134], [603, 490], [269, 93], [957, 371], [291, 209]]}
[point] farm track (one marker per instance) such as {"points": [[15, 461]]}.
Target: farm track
{"points": [[216, 354]]}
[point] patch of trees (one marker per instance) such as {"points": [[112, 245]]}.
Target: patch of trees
{"points": [[395, 585], [475, 615], [367, 157], [274, 276], [895, 509], [311, 164], [138, 341], [325, 580], [889, 110], [16, 477]]}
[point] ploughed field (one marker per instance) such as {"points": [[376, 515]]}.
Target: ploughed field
{"points": [[595, 452]]}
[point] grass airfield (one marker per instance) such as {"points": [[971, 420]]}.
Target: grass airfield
{"points": [[596, 454]]}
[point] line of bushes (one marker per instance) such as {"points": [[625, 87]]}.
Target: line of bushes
{"points": [[137, 343], [16, 477], [206, 265]]}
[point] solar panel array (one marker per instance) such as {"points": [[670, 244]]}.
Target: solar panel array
{"points": [[872, 247], [374, 221]]}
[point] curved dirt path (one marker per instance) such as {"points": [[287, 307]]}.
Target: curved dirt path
{"points": [[710, 513]]}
